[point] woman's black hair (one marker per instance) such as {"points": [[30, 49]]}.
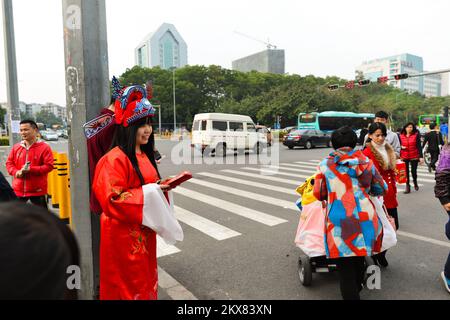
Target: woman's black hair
{"points": [[125, 139], [36, 250], [344, 137], [377, 126], [409, 124]]}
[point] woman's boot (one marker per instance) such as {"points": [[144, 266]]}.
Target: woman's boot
{"points": [[416, 186], [408, 189]]}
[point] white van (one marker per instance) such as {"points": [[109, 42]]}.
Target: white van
{"points": [[219, 132]]}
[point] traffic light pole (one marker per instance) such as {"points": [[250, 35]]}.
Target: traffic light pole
{"points": [[11, 72], [87, 91]]}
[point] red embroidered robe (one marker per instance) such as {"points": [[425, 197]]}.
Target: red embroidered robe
{"points": [[128, 263]]}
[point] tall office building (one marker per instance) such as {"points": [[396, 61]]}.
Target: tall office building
{"points": [[268, 61], [403, 63], [164, 48]]}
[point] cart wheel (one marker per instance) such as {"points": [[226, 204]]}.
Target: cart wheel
{"points": [[305, 271]]}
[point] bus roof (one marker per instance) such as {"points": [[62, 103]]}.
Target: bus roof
{"points": [[343, 114]]}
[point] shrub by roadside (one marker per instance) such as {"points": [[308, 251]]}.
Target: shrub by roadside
{"points": [[4, 141]]}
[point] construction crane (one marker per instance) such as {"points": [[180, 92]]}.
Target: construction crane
{"points": [[268, 44]]}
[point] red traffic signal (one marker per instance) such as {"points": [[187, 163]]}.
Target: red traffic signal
{"points": [[333, 87], [383, 79], [350, 85], [401, 76], [363, 83]]}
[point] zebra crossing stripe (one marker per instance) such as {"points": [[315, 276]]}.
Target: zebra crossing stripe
{"points": [[274, 172], [248, 183], [270, 178], [299, 165], [233, 208], [308, 163], [312, 170], [246, 194], [422, 173], [208, 227], [163, 249]]}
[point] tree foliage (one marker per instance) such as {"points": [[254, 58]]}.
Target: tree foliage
{"points": [[263, 96]]}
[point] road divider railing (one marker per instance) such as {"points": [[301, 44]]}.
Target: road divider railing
{"points": [[59, 186]]}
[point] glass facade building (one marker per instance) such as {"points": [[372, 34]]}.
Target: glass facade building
{"points": [[164, 48]]}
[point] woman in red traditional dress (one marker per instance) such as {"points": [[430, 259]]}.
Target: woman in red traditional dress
{"points": [[128, 263]]}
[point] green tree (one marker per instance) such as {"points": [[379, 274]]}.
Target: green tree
{"points": [[48, 118]]}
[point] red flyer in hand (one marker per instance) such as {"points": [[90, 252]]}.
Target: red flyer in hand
{"points": [[179, 179]]}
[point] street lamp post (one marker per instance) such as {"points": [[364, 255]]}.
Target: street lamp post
{"points": [[174, 102]]}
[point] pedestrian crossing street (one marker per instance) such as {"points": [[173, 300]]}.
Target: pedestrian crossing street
{"points": [[278, 180]]}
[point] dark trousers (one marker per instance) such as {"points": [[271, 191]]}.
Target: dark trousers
{"points": [[394, 214], [38, 201], [434, 158], [414, 164], [351, 276], [447, 233]]}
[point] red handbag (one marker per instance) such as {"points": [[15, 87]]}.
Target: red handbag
{"points": [[400, 172]]}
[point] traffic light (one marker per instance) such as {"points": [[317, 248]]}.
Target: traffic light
{"points": [[401, 76], [350, 85], [383, 80], [333, 87], [363, 83]]}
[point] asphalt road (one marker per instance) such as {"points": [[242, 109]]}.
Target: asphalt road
{"points": [[240, 225]]}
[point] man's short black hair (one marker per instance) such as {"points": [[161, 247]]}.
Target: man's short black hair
{"points": [[382, 114], [432, 126], [344, 137], [30, 122]]}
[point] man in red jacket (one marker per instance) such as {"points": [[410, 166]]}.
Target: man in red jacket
{"points": [[29, 162]]}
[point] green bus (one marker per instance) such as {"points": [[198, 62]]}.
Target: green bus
{"points": [[329, 121]]}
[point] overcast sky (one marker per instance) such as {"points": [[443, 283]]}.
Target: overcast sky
{"points": [[321, 37]]}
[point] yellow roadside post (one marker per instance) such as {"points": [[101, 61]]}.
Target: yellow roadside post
{"points": [[63, 187], [55, 194]]}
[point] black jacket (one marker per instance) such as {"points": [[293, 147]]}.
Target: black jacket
{"points": [[442, 187], [6, 192], [434, 140]]}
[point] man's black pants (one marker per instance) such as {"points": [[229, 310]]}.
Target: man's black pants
{"points": [[38, 201]]}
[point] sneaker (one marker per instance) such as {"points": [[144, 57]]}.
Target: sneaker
{"points": [[446, 281]]}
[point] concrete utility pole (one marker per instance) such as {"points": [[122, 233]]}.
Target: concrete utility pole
{"points": [[87, 91], [11, 72]]}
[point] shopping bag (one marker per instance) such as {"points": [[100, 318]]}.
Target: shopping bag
{"points": [[389, 234], [400, 170], [159, 214], [311, 230]]}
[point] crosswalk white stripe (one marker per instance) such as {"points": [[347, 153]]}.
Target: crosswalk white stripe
{"points": [[312, 170], [204, 225], [248, 183], [402, 189], [233, 208], [422, 238], [274, 172], [312, 166], [420, 173], [308, 163], [270, 178], [163, 249], [246, 194]]}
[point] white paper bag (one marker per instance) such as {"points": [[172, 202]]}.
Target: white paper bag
{"points": [[389, 234], [159, 216]]}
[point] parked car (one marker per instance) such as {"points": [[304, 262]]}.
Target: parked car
{"points": [[266, 131], [219, 132], [49, 135], [307, 138]]}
